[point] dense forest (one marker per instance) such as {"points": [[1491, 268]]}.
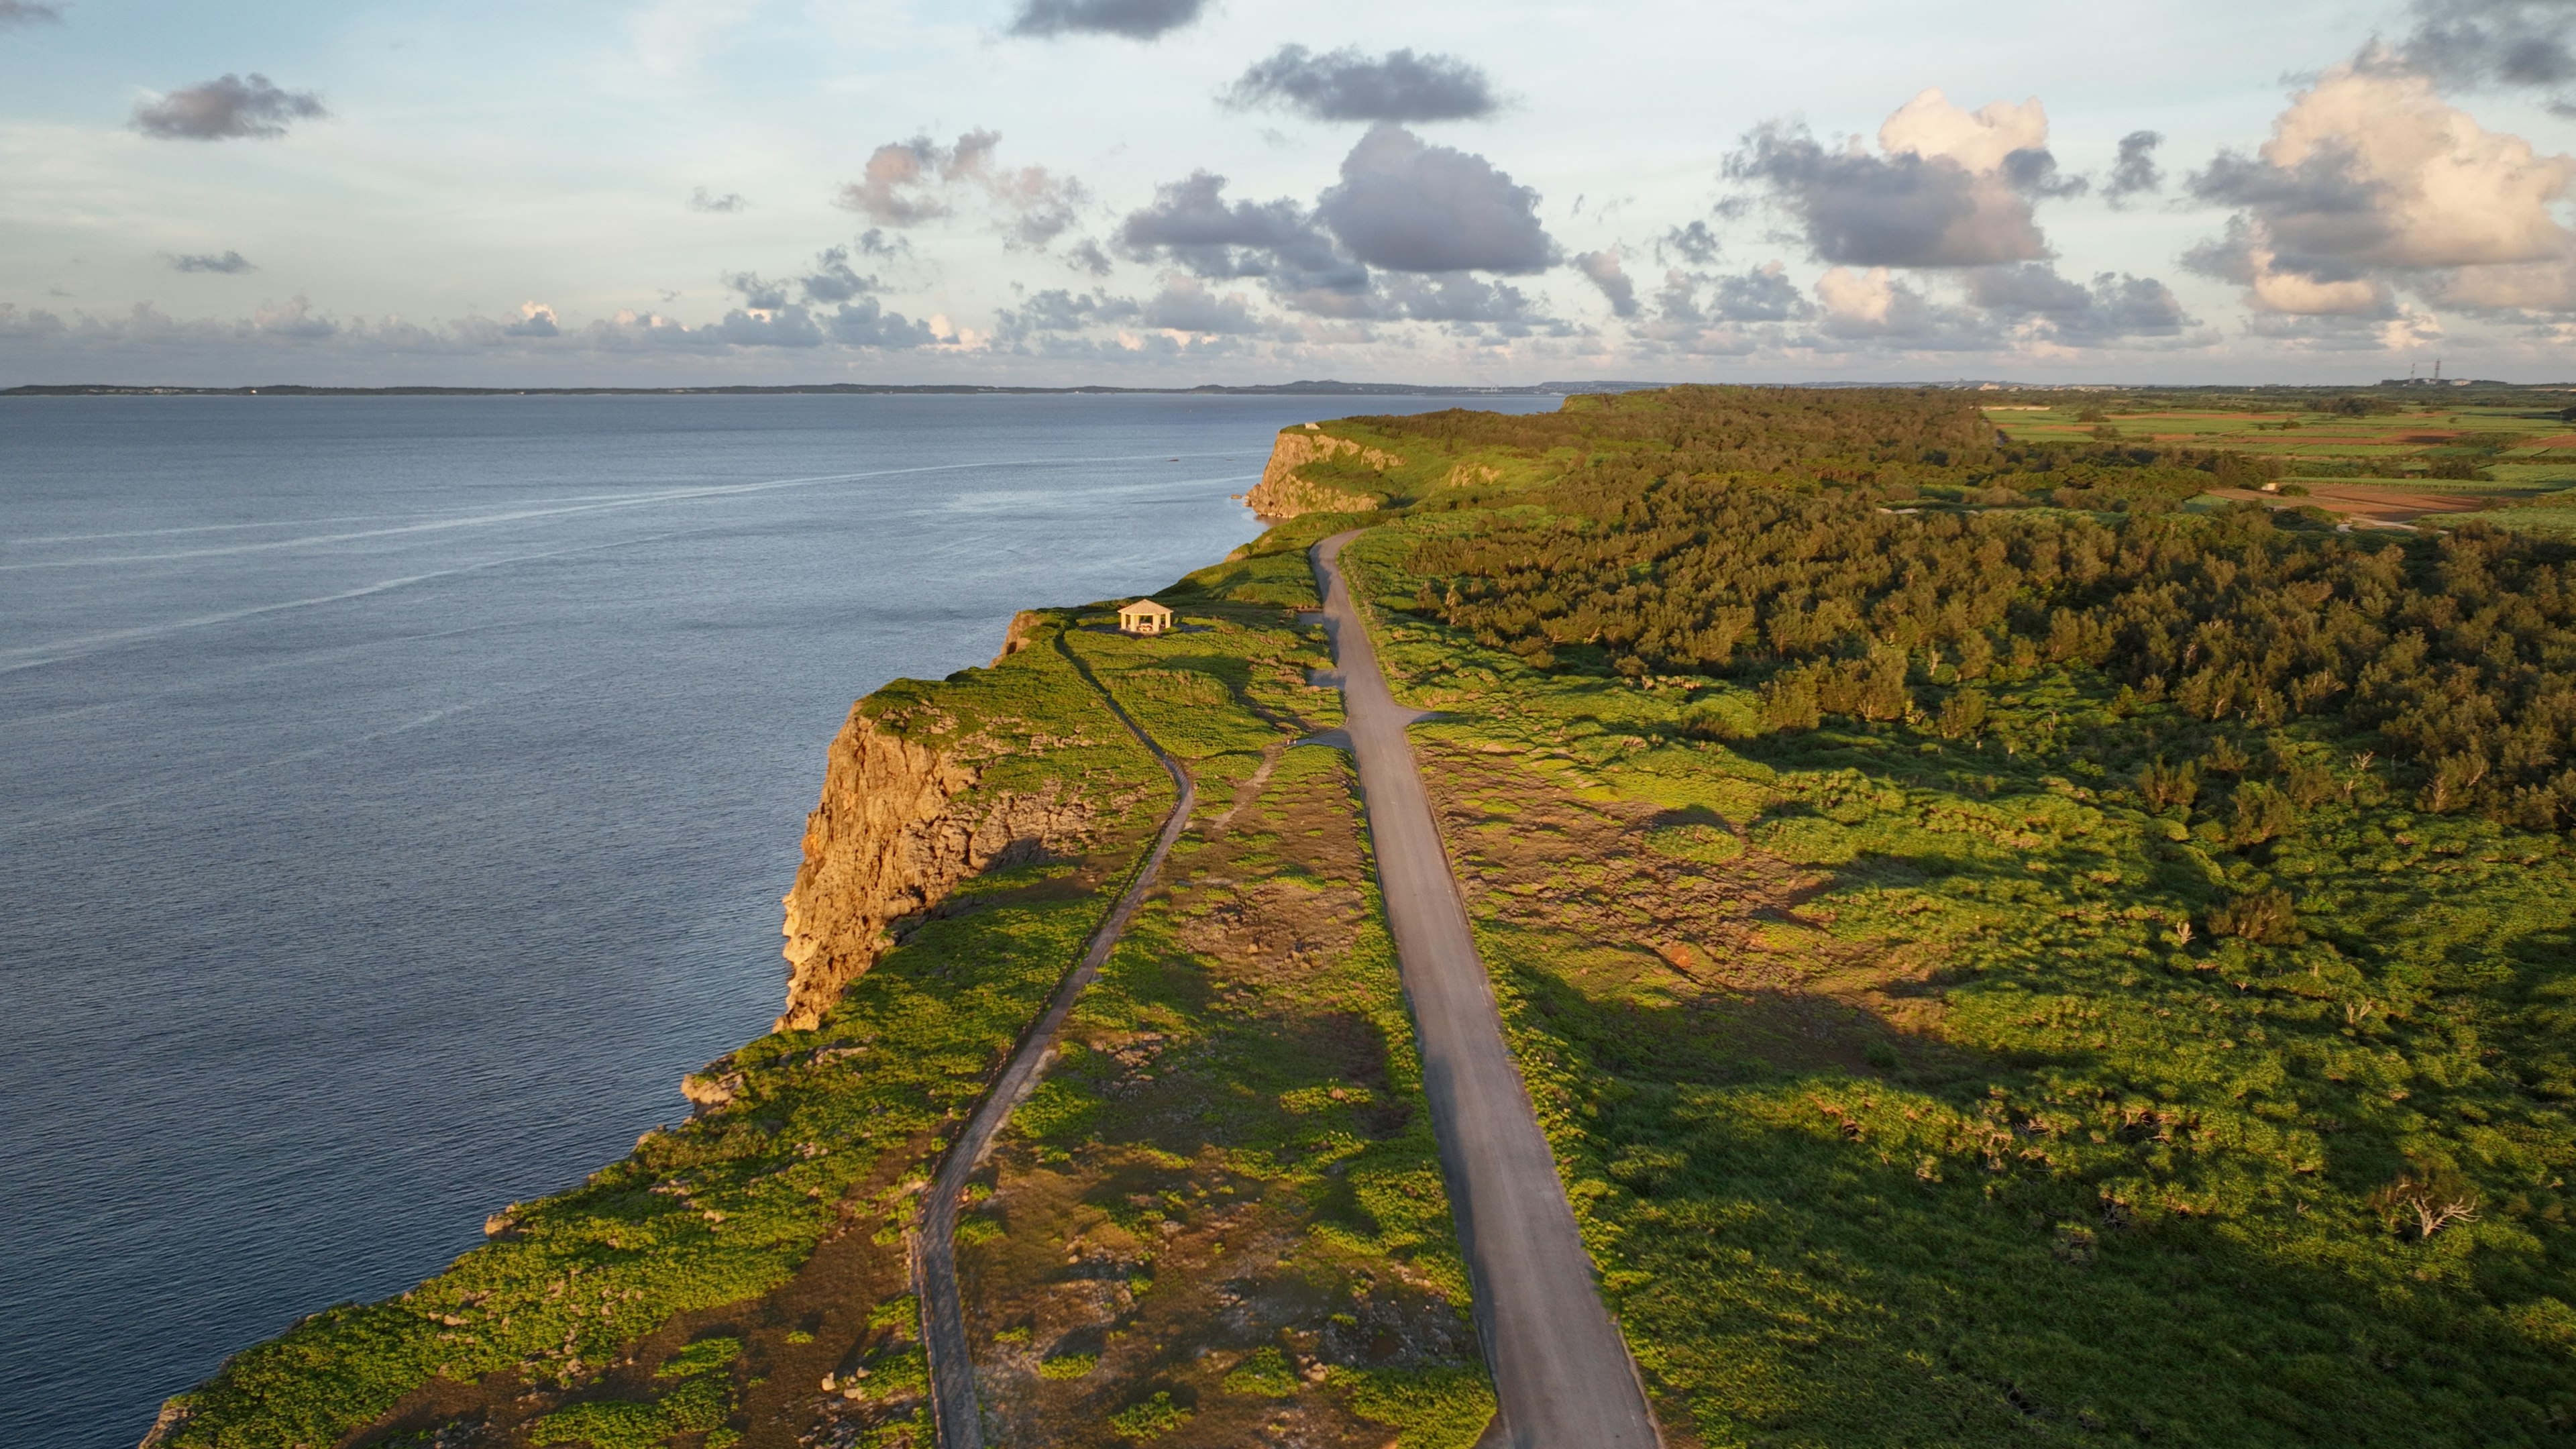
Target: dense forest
{"points": [[2454, 654], [2009, 947]]}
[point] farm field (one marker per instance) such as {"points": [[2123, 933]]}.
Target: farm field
{"points": [[2383, 466]]}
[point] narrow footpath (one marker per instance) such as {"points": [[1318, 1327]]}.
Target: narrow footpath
{"points": [[959, 1421], [1560, 1369]]}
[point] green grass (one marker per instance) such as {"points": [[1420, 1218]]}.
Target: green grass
{"points": [[1264, 1374], [1270, 1103], [1151, 1419], [1428, 1408], [2131, 1187], [725, 1207], [1217, 1091]]}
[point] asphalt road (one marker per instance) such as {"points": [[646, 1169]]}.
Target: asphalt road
{"points": [[934, 1251], [1559, 1366]]}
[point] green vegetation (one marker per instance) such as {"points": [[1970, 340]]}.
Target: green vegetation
{"points": [[2009, 946], [2134, 1007], [1265, 1374], [2458, 654], [1068, 1366], [1428, 1409], [1227, 1185], [1151, 1419], [824, 1125]]}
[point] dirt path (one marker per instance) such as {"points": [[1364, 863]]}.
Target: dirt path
{"points": [[2378, 505], [1560, 1368], [934, 1247]]}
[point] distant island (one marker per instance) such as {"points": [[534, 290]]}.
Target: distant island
{"points": [[832, 389], [2024, 916], [1305, 388]]}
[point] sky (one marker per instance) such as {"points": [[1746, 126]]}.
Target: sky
{"points": [[1172, 192]]}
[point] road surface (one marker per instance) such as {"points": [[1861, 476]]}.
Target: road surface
{"points": [[953, 1404], [1560, 1368]]}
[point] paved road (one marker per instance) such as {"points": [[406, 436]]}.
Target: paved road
{"points": [[934, 1251], [1559, 1366]]}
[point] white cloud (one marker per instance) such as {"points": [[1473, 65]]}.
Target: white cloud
{"points": [[1979, 140], [2371, 182]]}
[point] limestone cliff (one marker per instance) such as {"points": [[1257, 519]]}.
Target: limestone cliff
{"points": [[895, 830], [1283, 492]]}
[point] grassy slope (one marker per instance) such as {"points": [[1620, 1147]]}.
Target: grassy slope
{"points": [[830, 1134], [1911, 1117], [1226, 1200]]}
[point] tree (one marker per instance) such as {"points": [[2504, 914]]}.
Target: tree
{"points": [[2436, 1199]]}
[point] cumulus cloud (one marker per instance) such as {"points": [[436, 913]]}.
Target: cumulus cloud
{"points": [[1948, 187], [2492, 42], [1133, 19], [1759, 294], [864, 323], [1191, 223], [894, 188], [1395, 240], [1409, 206], [1060, 310], [1728, 314], [2136, 172], [297, 328], [227, 262], [28, 12], [906, 183], [226, 108], [1876, 306], [536, 319], [294, 319], [2371, 182], [704, 200], [1036, 204], [1087, 256], [2113, 307], [1187, 305], [1603, 270], [830, 303], [1694, 243], [832, 280], [1347, 85], [1467, 306]]}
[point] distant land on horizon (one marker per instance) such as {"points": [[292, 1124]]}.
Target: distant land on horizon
{"points": [[1317, 387]]}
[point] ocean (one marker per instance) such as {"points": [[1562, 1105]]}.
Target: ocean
{"points": [[398, 792]]}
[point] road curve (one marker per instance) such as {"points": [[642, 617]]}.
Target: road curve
{"points": [[1560, 1369], [959, 1422]]}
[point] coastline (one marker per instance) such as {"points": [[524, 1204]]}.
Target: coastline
{"points": [[923, 803]]}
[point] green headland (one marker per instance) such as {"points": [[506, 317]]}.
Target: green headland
{"points": [[2028, 919]]}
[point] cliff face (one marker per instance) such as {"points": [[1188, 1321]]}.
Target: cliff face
{"points": [[1285, 493], [889, 839]]}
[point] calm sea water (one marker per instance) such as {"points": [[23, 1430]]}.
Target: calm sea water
{"points": [[397, 795]]}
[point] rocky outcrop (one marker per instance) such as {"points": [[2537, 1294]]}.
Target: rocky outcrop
{"points": [[897, 829], [1022, 633], [1283, 492]]}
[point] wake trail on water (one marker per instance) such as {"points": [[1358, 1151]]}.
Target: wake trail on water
{"points": [[306, 659], [63, 651], [199, 782], [564, 507]]}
